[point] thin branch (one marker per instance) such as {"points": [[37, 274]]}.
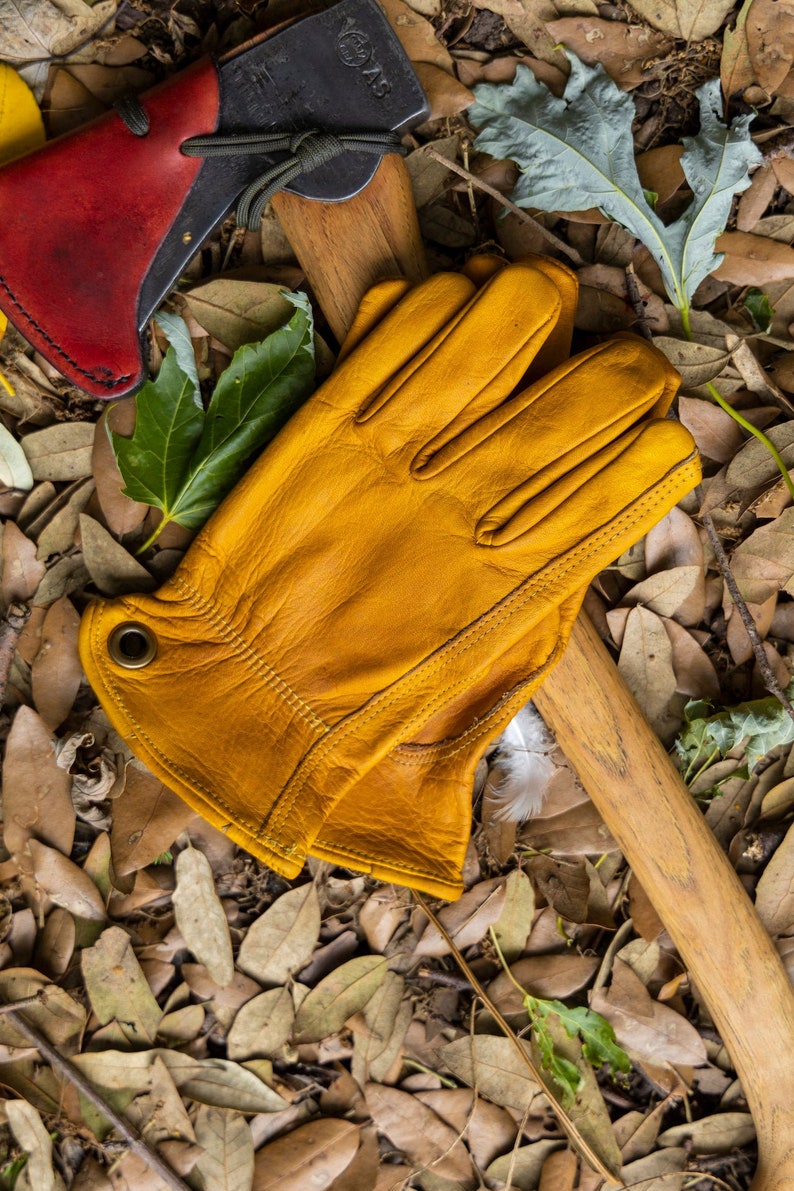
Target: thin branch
{"points": [[635, 301], [10, 629], [473, 180], [75, 1076], [770, 682], [569, 1126]]}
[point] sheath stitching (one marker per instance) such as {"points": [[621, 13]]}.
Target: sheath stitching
{"points": [[106, 384]]}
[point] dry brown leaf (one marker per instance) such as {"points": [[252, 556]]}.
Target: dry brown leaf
{"points": [[673, 542], [36, 791], [489, 1129], [549, 976], [515, 921], [56, 672], [200, 915], [343, 992], [691, 20], [237, 310], [664, 1170], [660, 171], [111, 567], [679, 593], [763, 563], [416, 1130], [737, 638], [387, 1017], [756, 200], [465, 920], [22, 571], [527, 20], [122, 515], [697, 362], [646, 664], [753, 260], [158, 1108], [117, 987], [774, 893], [719, 1134], [574, 830], [694, 671], [623, 50], [417, 35], [445, 95], [147, 818], [227, 1163], [66, 884], [643, 1026], [262, 1026], [55, 944], [60, 452], [718, 436], [312, 1155], [491, 1064], [770, 41], [35, 1140], [280, 942], [736, 68], [524, 1165], [55, 529], [381, 914]]}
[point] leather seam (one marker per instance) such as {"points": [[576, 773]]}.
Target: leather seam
{"points": [[272, 677], [470, 636], [93, 376]]}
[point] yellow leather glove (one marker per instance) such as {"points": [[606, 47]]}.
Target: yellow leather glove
{"points": [[409, 526]]}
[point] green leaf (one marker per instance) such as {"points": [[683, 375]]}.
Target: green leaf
{"points": [[14, 467], [168, 422], [597, 1036], [577, 152], [761, 725], [183, 460], [761, 311]]}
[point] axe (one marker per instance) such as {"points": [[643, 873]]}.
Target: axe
{"points": [[350, 216]]}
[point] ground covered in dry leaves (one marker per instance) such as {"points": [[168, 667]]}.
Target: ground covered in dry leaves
{"points": [[323, 1034]]}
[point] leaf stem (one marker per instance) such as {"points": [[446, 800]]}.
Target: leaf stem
{"points": [[759, 434], [154, 535], [734, 413]]}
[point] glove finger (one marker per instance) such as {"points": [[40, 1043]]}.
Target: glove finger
{"points": [[425, 312], [373, 308], [599, 493], [551, 427], [473, 363]]}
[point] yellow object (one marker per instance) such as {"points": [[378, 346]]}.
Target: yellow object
{"points": [[21, 125], [405, 558]]}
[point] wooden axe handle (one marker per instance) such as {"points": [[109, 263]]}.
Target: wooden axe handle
{"points": [[622, 764]]}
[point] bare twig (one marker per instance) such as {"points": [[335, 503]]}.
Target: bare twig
{"points": [[75, 1076], [635, 301], [569, 1126], [473, 180], [15, 620], [770, 682]]}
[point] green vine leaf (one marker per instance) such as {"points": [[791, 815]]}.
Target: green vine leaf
{"points": [[182, 459], [577, 152], [596, 1034]]}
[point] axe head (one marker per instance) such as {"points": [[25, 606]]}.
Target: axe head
{"points": [[98, 225]]}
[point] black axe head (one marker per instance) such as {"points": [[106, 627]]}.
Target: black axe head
{"points": [[98, 225]]}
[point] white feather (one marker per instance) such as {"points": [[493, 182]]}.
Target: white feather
{"points": [[523, 766]]}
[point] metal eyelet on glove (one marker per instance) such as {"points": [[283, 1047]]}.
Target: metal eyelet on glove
{"points": [[132, 645]]}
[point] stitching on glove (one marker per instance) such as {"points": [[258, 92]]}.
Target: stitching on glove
{"points": [[213, 800], [423, 754], [241, 646], [94, 376], [465, 640]]}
